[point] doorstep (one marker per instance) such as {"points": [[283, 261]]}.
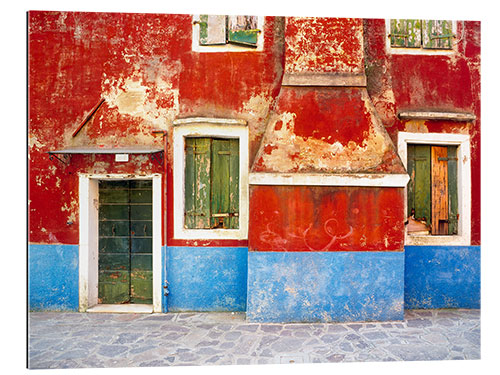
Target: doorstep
{"points": [[125, 309]]}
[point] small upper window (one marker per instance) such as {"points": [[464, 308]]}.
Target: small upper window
{"points": [[421, 34], [230, 31]]}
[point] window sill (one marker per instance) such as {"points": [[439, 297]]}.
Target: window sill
{"points": [[430, 240], [211, 234]]}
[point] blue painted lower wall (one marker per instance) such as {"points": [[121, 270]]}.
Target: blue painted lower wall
{"points": [[53, 277], [442, 277], [206, 278], [325, 286]]}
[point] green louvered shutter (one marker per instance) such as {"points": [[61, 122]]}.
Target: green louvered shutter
{"points": [[197, 183], [437, 34], [243, 30], [419, 187], [406, 33], [452, 190], [212, 30], [225, 184]]}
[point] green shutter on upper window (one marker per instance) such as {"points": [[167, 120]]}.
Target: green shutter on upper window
{"points": [[225, 176], [243, 30], [197, 183], [406, 33], [437, 34], [212, 30]]}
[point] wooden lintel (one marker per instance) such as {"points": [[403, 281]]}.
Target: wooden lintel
{"points": [[437, 115]]}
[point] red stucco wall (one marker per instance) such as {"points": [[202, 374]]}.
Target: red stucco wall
{"points": [[143, 66], [429, 82], [317, 218]]}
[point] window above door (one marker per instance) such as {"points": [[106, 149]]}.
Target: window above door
{"points": [[217, 33]]}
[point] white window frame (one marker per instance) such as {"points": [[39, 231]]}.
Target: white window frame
{"points": [[462, 141], [228, 47], [214, 128], [417, 51]]}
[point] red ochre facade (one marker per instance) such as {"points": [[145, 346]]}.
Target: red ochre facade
{"points": [[145, 69]]}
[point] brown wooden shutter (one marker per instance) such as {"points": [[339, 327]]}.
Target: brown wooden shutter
{"points": [[439, 189]]}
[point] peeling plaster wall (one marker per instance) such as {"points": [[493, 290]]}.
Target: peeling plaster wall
{"points": [[312, 218], [426, 82], [324, 44], [144, 68]]}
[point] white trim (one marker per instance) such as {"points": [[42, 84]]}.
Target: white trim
{"points": [[463, 238], [209, 130], [88, 253], [420, 50], [195, 46], [318, 179]]}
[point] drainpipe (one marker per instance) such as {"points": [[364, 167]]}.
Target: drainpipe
{"points": [[164, 134]]}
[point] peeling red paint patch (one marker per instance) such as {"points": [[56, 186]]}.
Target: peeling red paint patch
{"points": [[306, 218], [324, 44]]}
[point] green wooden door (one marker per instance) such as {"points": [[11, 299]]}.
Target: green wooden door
{"points": [[125, 242]]}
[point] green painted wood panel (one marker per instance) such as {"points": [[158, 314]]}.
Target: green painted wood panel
{"points": [[220, 183], [406, 33], [197, 183], [141, 228], [225, 183], [125, 241], [212, 30], [141, 287], [420, 166], [242, 30], [452, 190], [234, 183], [437, 34]]}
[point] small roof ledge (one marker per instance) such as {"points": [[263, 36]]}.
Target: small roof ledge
{"points": [[108, 150], [437, 115]]}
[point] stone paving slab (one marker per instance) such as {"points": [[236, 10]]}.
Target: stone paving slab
{"points": [[83, 340]]}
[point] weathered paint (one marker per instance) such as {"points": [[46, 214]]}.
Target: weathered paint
{"points": [[324, 44], [53, 277], [427, 82], [442, 277], [144, 68], [325, 286], [312, 218], [206, 278], [332, 130]]}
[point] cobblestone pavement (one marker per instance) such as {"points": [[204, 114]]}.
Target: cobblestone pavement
{"points": [[74, 340]]}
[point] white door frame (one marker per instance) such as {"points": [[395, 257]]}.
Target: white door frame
{"points": [[89, 236]]}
